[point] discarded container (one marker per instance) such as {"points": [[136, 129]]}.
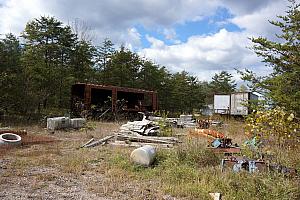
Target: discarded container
{"points": [[58, 123], [216, 195], [144, 155], [10, 139], [78, 122]]}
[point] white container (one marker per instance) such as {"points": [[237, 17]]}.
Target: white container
{"points": [[144, 155], [78, 122], [221, 103], [10, 139], [58, 123], [239, 101]]}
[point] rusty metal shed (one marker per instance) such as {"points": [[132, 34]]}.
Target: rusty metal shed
{"points": [[135, 99]]}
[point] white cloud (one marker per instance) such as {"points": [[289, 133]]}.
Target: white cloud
{"points": [[257, 23], [204, 55], [109, 18]]}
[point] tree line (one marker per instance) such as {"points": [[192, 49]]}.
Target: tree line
{"points": [[38, 68]]}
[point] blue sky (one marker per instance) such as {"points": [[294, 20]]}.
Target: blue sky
{"points": [[199, 36], [208, 25]]}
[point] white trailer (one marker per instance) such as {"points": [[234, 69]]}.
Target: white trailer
{"points": [[239, 102], [233, 104], [222, 103]]}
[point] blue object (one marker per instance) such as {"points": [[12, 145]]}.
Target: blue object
{"points": [[216, 143], [252, 166]]}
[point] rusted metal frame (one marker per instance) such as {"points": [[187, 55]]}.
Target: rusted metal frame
{"points": [[87, 96], [115, 90], [114, 98], [121, 89]]}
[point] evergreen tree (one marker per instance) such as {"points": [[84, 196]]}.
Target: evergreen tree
{"points": [[223, 83], [282, 85]]}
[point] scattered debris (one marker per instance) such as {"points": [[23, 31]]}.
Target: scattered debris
{"points": [[216, 195], [87, 143], [186, 121], [144, 155], [136, 134], [10, 139], [241, 163], [64, 123], [224, 145], [144, 127], [98, 142], [162, 140], [58, 123], [203, 124], [206, 132], [78, 123]]}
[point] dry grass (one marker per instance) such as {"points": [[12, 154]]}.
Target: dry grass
{"points": [[60, 169]]}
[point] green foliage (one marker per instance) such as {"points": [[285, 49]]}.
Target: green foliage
{"points": [[182, 176], [165, 128], [223, 83], [282, 86], [274, 123], [36, 76], [11, 75]]}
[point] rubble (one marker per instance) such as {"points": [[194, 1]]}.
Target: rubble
{"points": [[186, 121], [238, 164], [136, 134], [144, 127], [64, 123], [77, 123]]}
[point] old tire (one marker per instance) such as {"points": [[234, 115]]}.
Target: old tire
{"points": [[10, 139]]}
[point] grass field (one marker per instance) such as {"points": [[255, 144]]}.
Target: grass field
{"points": [[61, 170]]}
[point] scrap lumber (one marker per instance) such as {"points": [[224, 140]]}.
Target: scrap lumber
{"points": [[99, 142], [88, 142], [144, 139], [139, 144]]}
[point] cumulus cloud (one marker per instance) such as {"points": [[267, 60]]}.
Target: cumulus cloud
{"points": [[257, 23], [203, 55], [110, 18]]}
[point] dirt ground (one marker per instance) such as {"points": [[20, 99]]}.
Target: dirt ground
{"points": [[61, 170]]}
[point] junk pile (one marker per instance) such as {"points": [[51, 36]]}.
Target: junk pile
{"points": [[203, 124], [238, 164], [218, 142], [186, 121], [57, 123], [136, 134], [144, 127], [224, 145]]}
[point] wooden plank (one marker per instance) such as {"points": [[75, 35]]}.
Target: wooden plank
{"points": [[90, 141], [100, 142]]}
